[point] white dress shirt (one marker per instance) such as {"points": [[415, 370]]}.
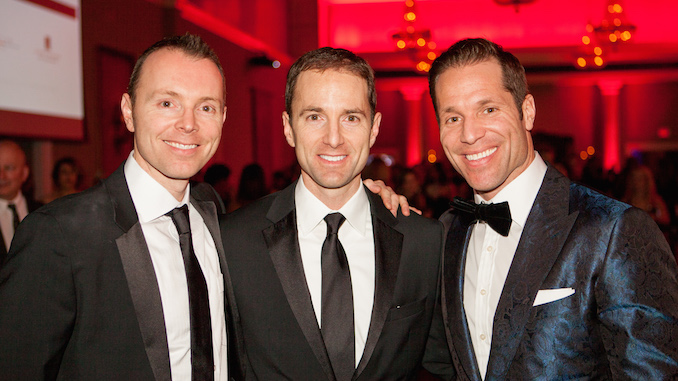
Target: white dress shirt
{"points": [[7, 218], [152, 201], [356, 236], [489, 258]]}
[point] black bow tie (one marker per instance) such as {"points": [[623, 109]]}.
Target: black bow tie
{"points": [[498, 216]]}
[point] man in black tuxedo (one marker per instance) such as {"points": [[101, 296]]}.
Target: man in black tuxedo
{"points": [[94, 286], [328, 283], [14, 206], [560, 283]]}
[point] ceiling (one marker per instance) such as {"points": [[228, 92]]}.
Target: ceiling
{"points": [[543, 34]]}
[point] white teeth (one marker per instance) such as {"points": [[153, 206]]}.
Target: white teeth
{"points": [[181, 146], [333, 158], [478, 156]]}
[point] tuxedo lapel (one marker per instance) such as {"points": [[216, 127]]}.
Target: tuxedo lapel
{"points": [[140, 274], [454, 263], [283, 247], [209, 206], [208, 210], [388, 245], [546, 229]]}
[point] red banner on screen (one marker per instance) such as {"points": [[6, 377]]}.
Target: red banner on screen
{"points": [[53, 5]]}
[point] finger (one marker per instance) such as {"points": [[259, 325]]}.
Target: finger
{"points": [[374, 186], [389, 198], [394, 199], [404, 205]]}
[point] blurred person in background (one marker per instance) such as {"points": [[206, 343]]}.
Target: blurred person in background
{"points": [[218, 176], [252, 185], [65, 178], [407, 184], [640, 190], [14, 206]]}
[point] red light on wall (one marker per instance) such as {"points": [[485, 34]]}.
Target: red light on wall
{"points": [[664, 132]]}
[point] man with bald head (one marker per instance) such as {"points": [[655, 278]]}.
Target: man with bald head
{"points": [[124, 281], [14, 206]]}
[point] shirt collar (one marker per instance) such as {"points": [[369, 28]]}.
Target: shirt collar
{"points": [[16, 200], [310, 210], [151, 200], [522, 191]]}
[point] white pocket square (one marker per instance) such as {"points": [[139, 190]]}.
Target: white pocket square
{"points": [[548, 296]]}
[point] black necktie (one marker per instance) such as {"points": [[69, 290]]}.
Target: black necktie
{"points": [[15, 216], [498, 216], [202, 358], [337, 302]]}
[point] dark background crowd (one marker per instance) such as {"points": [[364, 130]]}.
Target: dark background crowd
{"points": [[648, 181]]}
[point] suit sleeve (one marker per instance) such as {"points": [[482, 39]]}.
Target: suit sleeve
{"points": [[37, 301], [637, 295], [437, 359]]}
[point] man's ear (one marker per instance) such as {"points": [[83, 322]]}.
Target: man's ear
{"points": [[287, 129], [127, 115], [223, 118], [529, 112], [376, 122]]}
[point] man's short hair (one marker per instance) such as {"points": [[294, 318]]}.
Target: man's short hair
{"points": [[189, 44], [476, 50], [330, 58]]}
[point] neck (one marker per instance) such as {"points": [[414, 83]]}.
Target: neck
{"points": [[333, 198]]}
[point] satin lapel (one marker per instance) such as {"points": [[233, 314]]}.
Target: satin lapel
{"points": [[140, 274], [546, 229], [388, 246], [454, 263], [283, 247], [209, 211]]}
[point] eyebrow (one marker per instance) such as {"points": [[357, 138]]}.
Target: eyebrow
{"points": [[310, 109], [355, 111], [172, 93], [480, 103], [320, 110]]}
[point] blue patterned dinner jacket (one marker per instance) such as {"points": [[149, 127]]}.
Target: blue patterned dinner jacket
{"points": [[620, 323]]}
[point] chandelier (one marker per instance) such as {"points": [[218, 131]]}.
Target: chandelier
{"points": [[415, 42], [613, 30], [516, 3]]}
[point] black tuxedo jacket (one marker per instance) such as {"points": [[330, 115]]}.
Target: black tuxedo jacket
{"points": [[622, 320], [274, 309], [31, 205], [79, 299]]}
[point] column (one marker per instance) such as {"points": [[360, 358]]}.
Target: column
{"points": [[612, 156], [415, 142], [41, 162]]}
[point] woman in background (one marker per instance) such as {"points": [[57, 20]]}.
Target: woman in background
{"points": [[66, 179]]}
